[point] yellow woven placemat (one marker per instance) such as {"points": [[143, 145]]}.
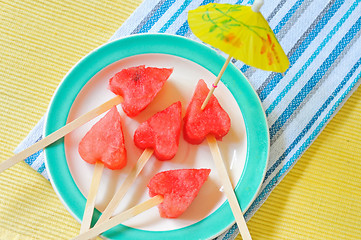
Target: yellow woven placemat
{"points": [[41, 40]]}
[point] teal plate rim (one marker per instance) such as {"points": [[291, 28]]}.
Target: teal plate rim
{"points": [[250, 105]]}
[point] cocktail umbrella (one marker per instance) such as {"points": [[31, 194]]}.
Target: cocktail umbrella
{"points": [[243, 33], [240, 31]]}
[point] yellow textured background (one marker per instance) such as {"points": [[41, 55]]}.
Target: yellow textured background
{"points": [[40, 41]]}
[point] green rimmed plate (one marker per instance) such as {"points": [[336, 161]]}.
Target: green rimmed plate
{"points": [[245, 149]]}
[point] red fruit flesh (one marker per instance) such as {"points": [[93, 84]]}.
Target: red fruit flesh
{"points": [[161, 132], [178, 188], [138, 86], [199, 123], [104, 142]]}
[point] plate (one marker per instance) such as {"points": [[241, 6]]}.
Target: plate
{"points": [[244, 149]]}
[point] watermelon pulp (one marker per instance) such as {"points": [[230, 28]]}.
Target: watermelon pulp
{"points": [[161, 132], [138, 86], [212, 120], [104, 142], [178, 188]]}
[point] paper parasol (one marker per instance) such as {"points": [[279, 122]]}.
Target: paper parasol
{"points": [[240, 31]]}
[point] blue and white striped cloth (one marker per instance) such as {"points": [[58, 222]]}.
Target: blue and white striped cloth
{"points": [[322, 41]]}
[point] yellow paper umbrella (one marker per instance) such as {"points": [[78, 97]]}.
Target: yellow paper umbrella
{"points": [[240, 31]]}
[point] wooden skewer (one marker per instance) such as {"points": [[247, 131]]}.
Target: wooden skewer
{"points": [[89, 206], [121, 217], [59, 133], [118, 196], [228, 188], [214, 85]]}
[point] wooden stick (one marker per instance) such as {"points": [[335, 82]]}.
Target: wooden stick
{"points": [[89, 206], [228, 188], [118, 196], [214, 85], [46, 141], [121, 217]]}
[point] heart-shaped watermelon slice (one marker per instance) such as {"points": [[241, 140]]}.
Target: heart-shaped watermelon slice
{"points": [[138, 86], [178, 187], [211, 120], [104, 142], [161, 132]]}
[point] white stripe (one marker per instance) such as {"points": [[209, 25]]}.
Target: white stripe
{"points": [[45, 174]]}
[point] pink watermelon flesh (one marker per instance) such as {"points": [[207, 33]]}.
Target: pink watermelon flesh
{"points": [[104, 142], [138, 86], [212, 120], [178, 187], [161, 132]]}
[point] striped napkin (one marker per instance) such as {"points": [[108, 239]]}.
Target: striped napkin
{"points": [[322, 41]]}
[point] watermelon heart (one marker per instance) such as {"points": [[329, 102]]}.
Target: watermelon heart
{"points": [[138, 86], [161, 132], [178, 188], [212, 120], [104, 142]]}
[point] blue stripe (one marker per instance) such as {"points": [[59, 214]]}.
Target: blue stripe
{"points": [[29, 160], [287, 17], [296, 55], [185, 27], [205, 2], [314, 118], [304, 146], [175, 16], [230, 232], [244, 68], [280, 25], [162, 9], [314, 79], [41, 168]]}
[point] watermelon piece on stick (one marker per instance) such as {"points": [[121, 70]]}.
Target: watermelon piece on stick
{"points": [[172, 191], [104, 142], [103, 145], [138, 86], [178, 188], [212, 122], [161, 132], [159, 135]]}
